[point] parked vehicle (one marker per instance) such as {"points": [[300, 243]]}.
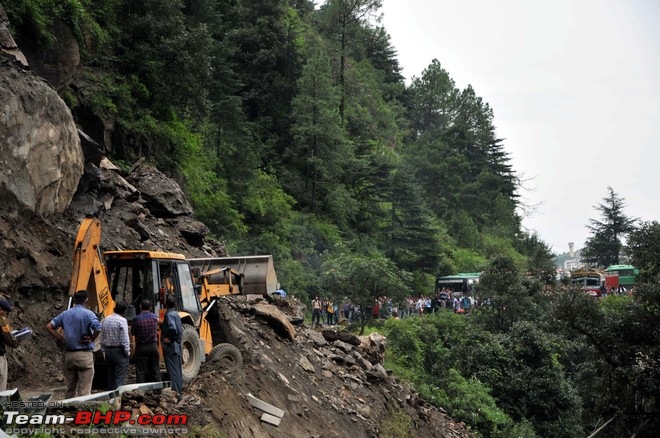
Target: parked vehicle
{"points": [[620, 275], [462, 282], [590, 280]]}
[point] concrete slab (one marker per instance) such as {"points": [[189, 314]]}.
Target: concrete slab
{"points": [[271, 419], [262, 405], [99, 396], [149, 386]]}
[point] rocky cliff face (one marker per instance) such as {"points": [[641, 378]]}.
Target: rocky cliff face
{"points": [[40, 155], [7, 44]]}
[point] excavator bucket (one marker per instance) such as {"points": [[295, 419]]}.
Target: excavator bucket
{"points": [[258, 272]]}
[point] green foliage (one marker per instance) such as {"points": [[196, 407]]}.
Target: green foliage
{"points": [[265, 203], [501, 285], [540, 262], [207, 190], [426, 351], [618, 367], [467, 260], [396, 424], [463, 228], [644, 249], [469, 400], [496, 246], [362, 278], [604, 246], [37, 18]]}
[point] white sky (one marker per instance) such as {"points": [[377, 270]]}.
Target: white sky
{"points": [[575, 90]]}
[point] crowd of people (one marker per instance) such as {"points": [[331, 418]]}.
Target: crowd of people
{"points": [[77, 329], [325, 311]]}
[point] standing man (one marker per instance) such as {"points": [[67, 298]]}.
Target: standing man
{"points": [[6, 340], [145, 330], [81, 327], [316, 312], [116, 346], [171, 334]]}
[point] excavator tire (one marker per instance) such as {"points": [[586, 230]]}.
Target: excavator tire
{"points": [[227, 356], [191, 352]]}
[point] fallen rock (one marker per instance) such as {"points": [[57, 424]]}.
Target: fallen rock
{"points": [[278, 319]]}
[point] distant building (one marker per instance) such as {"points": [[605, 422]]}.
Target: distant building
{"points": [[575, 263]]}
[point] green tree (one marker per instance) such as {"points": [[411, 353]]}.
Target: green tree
{"points": [[603, 248], [540, 262], [617, 365], [342, 20], [315, 158], [266, 36], [363, 278], [415, 235], [501, 286], [432, 101], [644, 251], [536, 386]]}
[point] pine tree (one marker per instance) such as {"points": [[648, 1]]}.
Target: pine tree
{"points": [[604, 246]]}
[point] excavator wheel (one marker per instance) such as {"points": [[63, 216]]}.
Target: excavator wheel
{"points": [[227, 356], [191, 352]]}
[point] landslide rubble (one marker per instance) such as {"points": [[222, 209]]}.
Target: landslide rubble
{"points": [[329, 383]]}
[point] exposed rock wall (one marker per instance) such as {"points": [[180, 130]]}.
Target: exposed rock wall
{"points": [[7, 44], [41, 160]]}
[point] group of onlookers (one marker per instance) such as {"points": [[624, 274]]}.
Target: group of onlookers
{"points": [[326, 311]]}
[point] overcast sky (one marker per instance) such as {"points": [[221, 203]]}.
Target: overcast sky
{"points": [[575, 90]]}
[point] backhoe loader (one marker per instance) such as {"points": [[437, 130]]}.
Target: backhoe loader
{"points": [[134, 275]]}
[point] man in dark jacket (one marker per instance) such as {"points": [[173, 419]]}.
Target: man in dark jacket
{"points": [[6, 340], [171, 334]]}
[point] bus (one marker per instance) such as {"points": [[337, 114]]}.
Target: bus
{"points": [[620, 275], [464, 282], [589, 280]]}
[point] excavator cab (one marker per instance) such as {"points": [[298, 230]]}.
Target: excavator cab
{"points": [[137, 275]]}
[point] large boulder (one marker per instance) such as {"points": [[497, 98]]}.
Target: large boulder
{"points": [[41, 160], [162, 195]]}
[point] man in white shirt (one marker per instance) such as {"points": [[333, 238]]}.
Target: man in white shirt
{"points": [[116, 346]]}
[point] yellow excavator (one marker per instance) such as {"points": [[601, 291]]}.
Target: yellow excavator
{"points": [[134, 275]]}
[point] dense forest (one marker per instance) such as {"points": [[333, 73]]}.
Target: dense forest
{"points": [[293, 133]]}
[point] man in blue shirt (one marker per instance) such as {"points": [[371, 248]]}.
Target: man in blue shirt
{"points": [[81, 327], [171, 334]]}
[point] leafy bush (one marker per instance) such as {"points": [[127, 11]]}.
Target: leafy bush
{"points": [[395, 425], [469, 400]]}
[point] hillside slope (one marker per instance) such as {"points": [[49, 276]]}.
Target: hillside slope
{"points": [[325, 388]]}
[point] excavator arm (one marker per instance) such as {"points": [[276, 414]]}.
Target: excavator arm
{"points": [[220, 282], [88, 271]]}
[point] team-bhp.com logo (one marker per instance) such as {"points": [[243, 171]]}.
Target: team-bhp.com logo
{"points": [[110, 422]]}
